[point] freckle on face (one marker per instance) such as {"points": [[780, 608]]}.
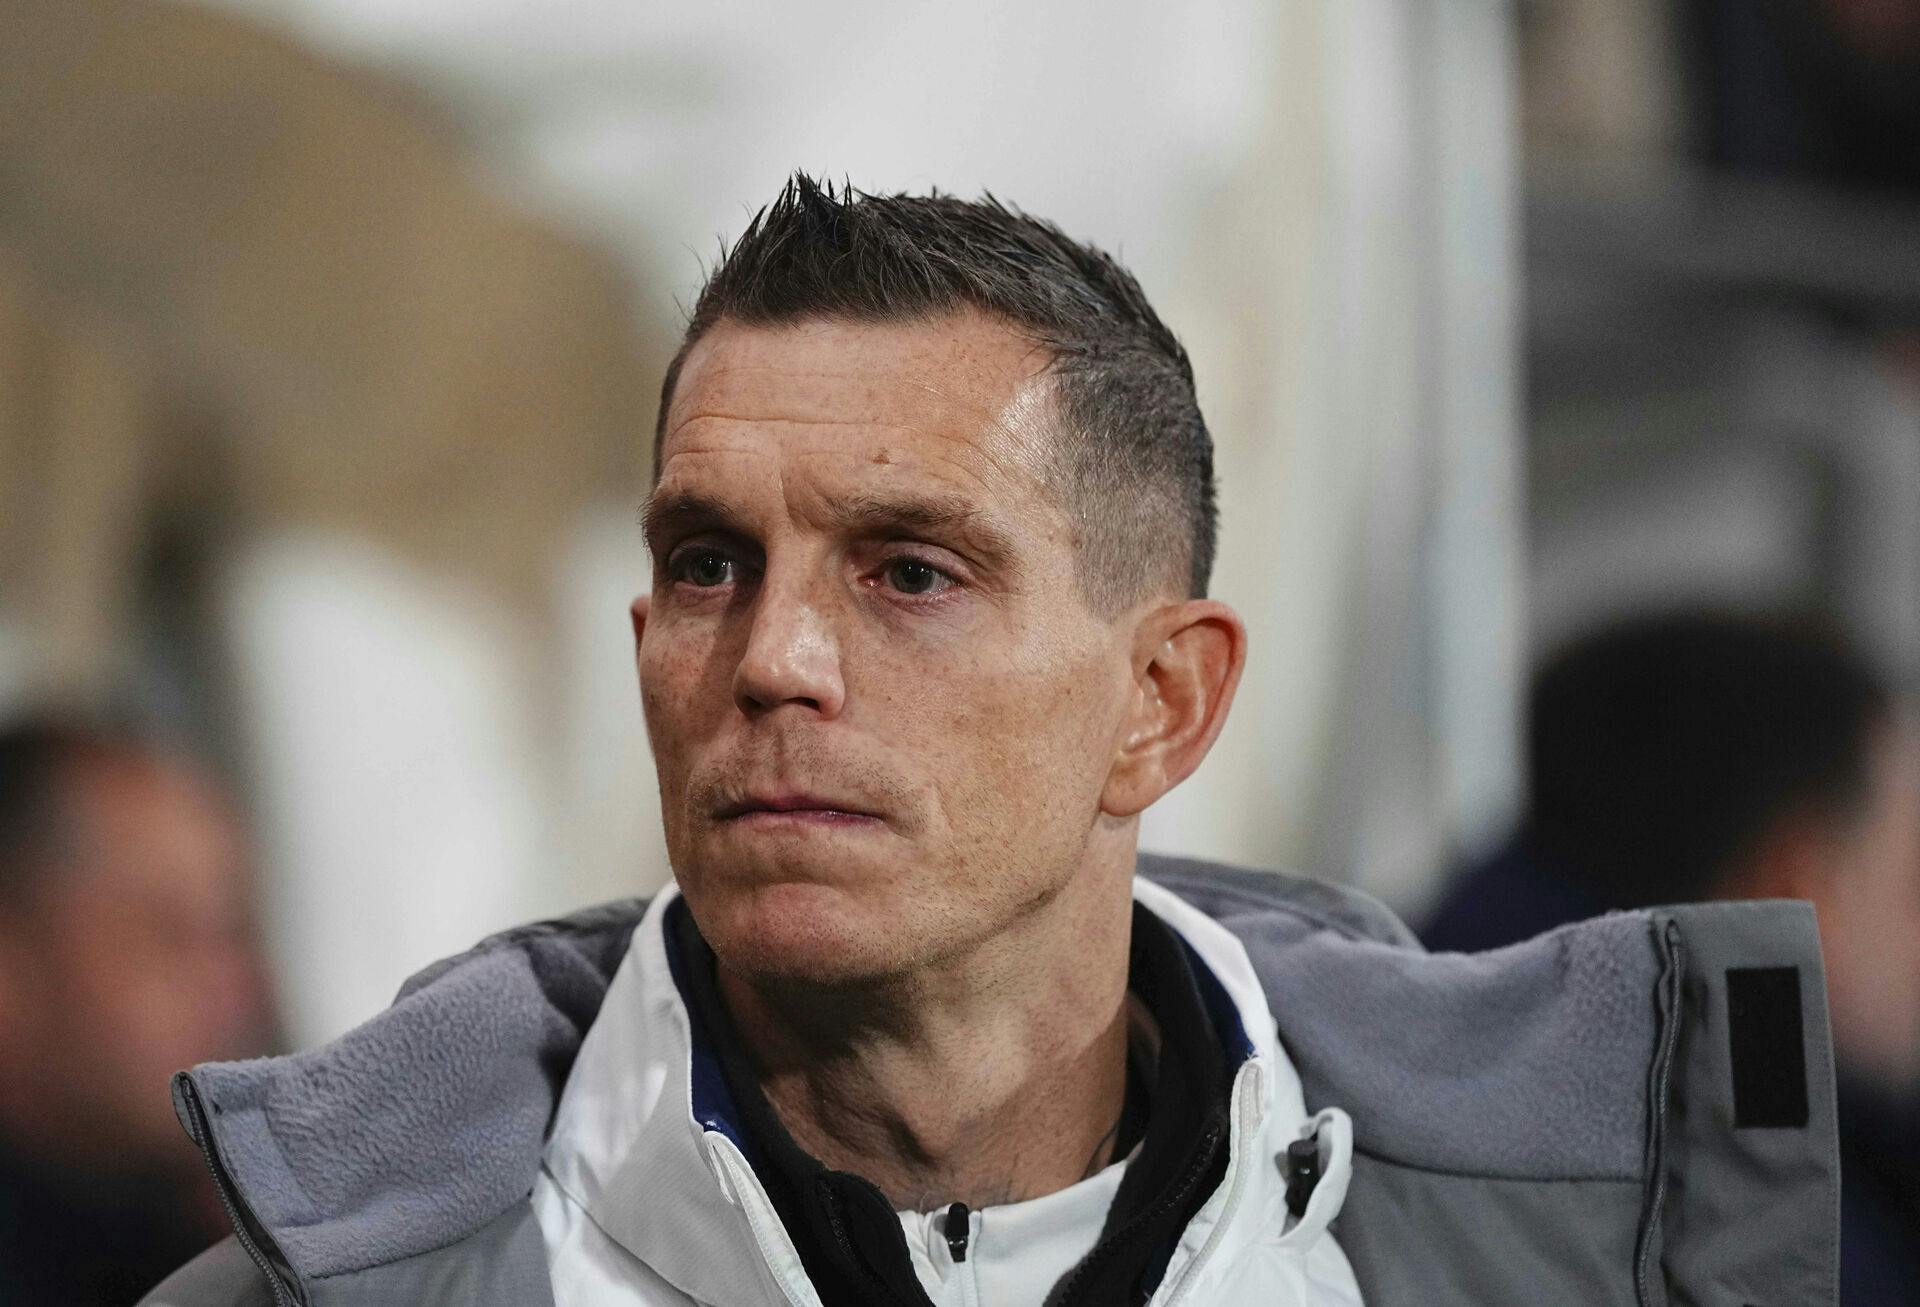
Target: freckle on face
{"points": [[977, 729]]}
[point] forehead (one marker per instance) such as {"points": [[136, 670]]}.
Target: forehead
{"points": [[963, 400]]}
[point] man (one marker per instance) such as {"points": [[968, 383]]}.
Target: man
{"points": [[1762, 758], [125, 950], [931, 530]]}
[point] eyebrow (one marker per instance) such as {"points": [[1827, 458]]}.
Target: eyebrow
{"points": [[941, 514], [683, 512], [860, 514]]}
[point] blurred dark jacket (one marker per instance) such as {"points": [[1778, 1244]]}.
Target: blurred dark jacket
{"points": [[1508, 897], [1879, 1198], [88, 1241]]}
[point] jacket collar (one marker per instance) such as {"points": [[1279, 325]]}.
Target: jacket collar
{"points": [[421, 1127], [648, 1140]]}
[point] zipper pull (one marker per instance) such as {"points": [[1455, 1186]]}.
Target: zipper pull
{"points": [[959, 1227], [1303, 1173]]}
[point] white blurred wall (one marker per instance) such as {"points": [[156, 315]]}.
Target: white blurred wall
{"points": [[398, 798]]}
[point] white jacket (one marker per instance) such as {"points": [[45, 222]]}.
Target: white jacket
{"points": [[642, 1203]]}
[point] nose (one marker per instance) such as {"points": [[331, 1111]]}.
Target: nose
{"points": [[791, 655]]}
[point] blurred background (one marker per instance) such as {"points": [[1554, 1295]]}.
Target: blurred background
{"points": [[331, 331]]}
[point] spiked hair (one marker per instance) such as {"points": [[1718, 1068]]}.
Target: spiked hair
{"points": [[1132, 459]]}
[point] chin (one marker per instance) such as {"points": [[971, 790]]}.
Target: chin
{"points": [[803, 931]]}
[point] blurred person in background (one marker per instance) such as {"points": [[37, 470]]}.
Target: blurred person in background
{"points": [[1689, 757], [126, 952], [1826, 89]]}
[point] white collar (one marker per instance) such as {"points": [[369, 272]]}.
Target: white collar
{"points": [[1013, 1247], [626, 1144]]}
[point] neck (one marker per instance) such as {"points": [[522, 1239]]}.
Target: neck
{"points": [[987, 1078]]}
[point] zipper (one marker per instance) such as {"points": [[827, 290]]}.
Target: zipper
{"points": [[1659, 1078], [246, 1229], [756, 1207], [883, 1292], [1197, 1167], [959, 1227], [1235, 1179], [959, 1235]]}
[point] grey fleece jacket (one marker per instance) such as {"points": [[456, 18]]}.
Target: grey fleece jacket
{"points": [[1631, 1110]]}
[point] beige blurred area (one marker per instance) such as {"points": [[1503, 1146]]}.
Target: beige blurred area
{"points": [[264, 328], [247, 290]]}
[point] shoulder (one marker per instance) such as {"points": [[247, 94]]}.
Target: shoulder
{"points": [[222, 1276], [1229, 893]]}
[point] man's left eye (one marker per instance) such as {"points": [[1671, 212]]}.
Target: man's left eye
{"points": [[911, 576]]}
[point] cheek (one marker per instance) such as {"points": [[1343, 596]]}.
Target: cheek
{"points": [[1018, 748], [684, 682]]}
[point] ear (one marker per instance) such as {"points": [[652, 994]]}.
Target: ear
{"points": [[1187, 659], [638, 611]]}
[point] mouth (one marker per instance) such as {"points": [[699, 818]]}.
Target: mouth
{"points": [[789, 808]]}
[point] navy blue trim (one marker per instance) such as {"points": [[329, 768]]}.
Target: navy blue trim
{"points": [[1220, 1006], [713, 1105]]}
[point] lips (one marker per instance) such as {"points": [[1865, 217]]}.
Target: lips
{"points": [[790, 802]]}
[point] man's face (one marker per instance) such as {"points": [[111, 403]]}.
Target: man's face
{"points": [[140, 958], [865, 610]]}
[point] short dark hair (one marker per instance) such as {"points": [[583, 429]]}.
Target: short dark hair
{"points": [[1134, 458], [1662, 748]]}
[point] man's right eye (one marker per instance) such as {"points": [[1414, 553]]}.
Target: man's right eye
{"points": [[702, 567]]}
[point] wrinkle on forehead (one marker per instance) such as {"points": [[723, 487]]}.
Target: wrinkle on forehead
{"points": [[965, 396], [954, 370]]}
